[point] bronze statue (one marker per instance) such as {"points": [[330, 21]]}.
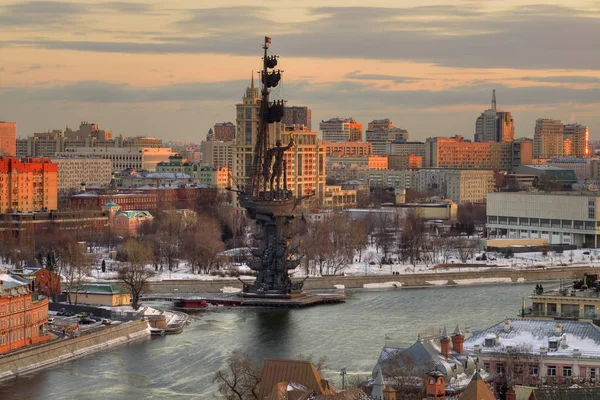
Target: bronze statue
{"points": [[279, 165]]}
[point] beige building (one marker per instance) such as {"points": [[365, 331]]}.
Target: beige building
{"points": [[101, 295], [123, 158], [441, 210], [581, 166], [561, 218], [404, 148], [409, 161], [305, 162], [28, 185], [386, 178], [217, 154], [341, 130], [73, 173], [461, 186], [213, 177], [380, 138], [548, 139], [348, 149], [336, 197]]}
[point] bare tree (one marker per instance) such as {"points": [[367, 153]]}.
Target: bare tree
{"points": [[134, 273], [203, 244], [240, 379], [76, 265], [407, 377], [466, 248]]}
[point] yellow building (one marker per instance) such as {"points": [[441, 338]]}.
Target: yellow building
{"points": [[101, 295], [28, 185]]}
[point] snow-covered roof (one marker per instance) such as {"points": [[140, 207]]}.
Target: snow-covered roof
{"points": [[532, 334]]}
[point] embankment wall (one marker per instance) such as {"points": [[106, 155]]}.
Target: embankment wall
{"points": [[60, 350]]}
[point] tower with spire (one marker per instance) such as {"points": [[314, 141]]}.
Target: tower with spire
{"points": [[495, 125]]}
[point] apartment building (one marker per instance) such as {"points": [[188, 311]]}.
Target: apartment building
{"points": [[548, 141], [341, 130], [456, 152], [218, 154], [348, 149], [28, 185], [123, 158], [404, 148], [461, 186], [409, 161], [8, 138], [73, 173]]}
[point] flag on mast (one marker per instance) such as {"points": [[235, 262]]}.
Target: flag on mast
{"points": [[267, 39]]}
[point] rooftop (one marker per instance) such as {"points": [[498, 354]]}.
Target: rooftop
{"points": [[98, 288]]}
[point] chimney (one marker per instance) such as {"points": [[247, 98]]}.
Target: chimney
{"points": [[563, 342], [458, 339], [506, 325], [445, 344], [389, 393]]}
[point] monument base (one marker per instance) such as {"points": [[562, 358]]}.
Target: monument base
{"points": [[303, 299]]}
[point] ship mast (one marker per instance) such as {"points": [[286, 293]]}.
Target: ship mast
{"points": [[269, 113]]}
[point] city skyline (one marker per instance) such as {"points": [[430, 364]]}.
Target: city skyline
{"points": [[174, 72]]}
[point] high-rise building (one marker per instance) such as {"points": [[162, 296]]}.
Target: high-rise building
{"points": [[248, 124], [409, 161], [28, 185], [224, 132], [548, 141], [217, 154], [381, 133], [295, 115], [495, 125], [404, 148], [576, 140], [8, 138], [341, 130]]}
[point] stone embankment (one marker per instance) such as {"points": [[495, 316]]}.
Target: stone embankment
{"points": [[61, 350], [500, 275]]}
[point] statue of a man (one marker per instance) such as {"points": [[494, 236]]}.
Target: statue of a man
{"points": [[279, 164]]}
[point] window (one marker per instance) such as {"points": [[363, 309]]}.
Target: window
{"points": [[486, 366], [593, 374], [500, 369], [533, 370], [567, 371], [551, 370], [519, 369]]}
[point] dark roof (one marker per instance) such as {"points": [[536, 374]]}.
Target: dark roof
{"points": [[98, 289], [566, 394], [477, 390]]}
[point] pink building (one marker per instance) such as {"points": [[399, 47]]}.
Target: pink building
{"points": [[126, 223]]}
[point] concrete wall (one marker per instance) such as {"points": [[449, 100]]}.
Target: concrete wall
{"points": [[48, 354], [351, 282]]}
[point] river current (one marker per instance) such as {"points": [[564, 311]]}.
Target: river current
{"points": [[349, 335]]}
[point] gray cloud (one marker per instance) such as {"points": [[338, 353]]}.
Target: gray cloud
{"points": [[381, 77], [530, 37], [562, 79]]}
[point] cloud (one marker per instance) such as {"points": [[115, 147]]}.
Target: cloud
{"points": [[528, 37], [381, 77], [562, 79]]}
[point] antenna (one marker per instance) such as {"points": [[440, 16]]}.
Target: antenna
{"points": [[494, 99]]}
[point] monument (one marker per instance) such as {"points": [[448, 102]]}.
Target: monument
{"points": [[268, 200]]}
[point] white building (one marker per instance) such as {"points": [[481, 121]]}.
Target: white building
{"points": [[380, 138], [123, 158], [73, 173], [562, 218], [460, 185], [581, 166]]}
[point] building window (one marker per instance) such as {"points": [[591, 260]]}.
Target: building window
{"points": [[518, 369], [533, 370], [500, 369], [593, 374], [551, 371], [567, 371]]}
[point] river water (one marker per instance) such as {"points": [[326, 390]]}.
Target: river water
{"points": [[349, 335]]}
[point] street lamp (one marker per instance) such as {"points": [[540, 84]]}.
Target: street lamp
{"points": [[343, 374]]}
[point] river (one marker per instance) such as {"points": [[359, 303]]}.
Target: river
{"points": [[349, 335]]}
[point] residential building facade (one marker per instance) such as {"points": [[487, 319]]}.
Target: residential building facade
{"points": [[461, 186], [27, 185], [75, 172], [409, 161], [341, 130], [456, 152], [548, 138], [380, 138], [217, 154], [404, 148], [297, 115], [345, 149], [576, 138], [8, 139]]}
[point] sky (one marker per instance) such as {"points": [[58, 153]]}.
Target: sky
{"points": [[173, 69]]}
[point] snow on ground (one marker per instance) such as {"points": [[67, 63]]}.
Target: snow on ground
{"points": [[481, 280], [437, 283], [230, 289], [385, 285], [339, 287]]}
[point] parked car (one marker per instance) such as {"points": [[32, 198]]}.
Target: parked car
{"points": [[82, 315], [61, 312], [106, 321], [86, 321], [69, 314], [97, 319], [50, 321]]}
